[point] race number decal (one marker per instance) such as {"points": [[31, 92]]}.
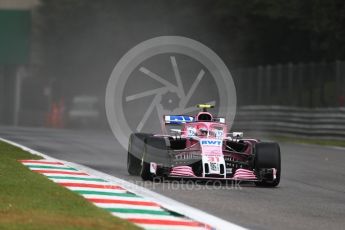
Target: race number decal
{"points": [[218, 133], [191, 131]]}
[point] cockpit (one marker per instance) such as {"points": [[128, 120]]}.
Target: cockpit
{"points": [[204, 116]]}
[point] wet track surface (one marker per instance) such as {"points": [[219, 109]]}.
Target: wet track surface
{"points": [[311, 194]]}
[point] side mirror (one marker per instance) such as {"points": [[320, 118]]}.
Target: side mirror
{"points": [[237, 134], [177, 131], [219, 119]]}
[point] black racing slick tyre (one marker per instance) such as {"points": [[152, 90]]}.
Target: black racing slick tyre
{"points": [[267, 156], [145, 171], [156, 150], [136, 146]]}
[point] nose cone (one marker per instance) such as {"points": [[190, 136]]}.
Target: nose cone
{"points": [[211, 147]]}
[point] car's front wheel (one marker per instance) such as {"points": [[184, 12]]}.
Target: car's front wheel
{"points": [[155, 151], [136, 146], [267, 157]]}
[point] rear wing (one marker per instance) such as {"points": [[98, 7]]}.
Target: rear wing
{"points": [[177, 119]]}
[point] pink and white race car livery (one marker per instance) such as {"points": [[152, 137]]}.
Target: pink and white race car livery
{"points": [[203, 149]]}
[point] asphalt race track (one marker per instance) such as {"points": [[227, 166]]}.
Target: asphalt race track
{"points": [[311, 194]]}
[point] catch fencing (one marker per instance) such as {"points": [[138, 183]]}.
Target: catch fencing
{"points": [[303, 85]]}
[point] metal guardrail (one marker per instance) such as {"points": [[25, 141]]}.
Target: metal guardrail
{"points": [[320, 123]]}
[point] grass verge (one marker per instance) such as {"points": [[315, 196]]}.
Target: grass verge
{"points": [[30, 201]]}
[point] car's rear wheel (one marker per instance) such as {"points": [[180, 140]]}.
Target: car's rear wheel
{"points": [[155, 151], [267, 156], [136, 146]]}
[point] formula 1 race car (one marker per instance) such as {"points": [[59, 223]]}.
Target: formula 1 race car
{"points": [[203, 149]]}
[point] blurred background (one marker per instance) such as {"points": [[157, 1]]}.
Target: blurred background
{"points": [[287, 58]]}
